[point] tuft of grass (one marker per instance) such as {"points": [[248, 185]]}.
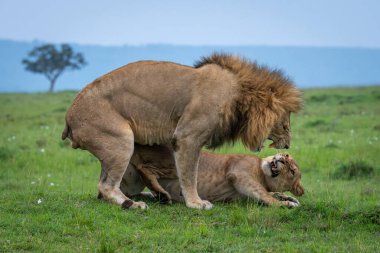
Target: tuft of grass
{"points": [[316, 123], [369, 216], [353, 170], [5, 153]]}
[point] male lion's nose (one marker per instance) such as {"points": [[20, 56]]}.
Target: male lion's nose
{"points": [[286, 146]]}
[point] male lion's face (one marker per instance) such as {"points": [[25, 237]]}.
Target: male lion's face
{"points": [[282, 174], [280, 134]]}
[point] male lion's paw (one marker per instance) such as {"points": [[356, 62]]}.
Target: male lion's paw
{"points": [[134, 204], [202, 204]]}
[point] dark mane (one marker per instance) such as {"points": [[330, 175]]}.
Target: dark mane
{"points": [[265, 96]]}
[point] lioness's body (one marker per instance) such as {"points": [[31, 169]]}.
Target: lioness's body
{"points": [[151, 102], [220, 177]]}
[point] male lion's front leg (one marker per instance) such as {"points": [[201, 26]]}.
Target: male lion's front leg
{"points": [[186, 158]]}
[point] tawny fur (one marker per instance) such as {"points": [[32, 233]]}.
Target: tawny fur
{"points": [[148, 102], [220, 177]]}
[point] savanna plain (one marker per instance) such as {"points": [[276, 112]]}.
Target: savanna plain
{"points": [[48, 190]]}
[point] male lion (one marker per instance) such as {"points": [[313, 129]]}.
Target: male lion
{"points": [[220, 177], [221, 99]]}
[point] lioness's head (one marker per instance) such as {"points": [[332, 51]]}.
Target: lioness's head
{"points": [[282, 174]]}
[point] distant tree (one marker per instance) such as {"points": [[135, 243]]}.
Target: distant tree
{"points": [[52, 62]]}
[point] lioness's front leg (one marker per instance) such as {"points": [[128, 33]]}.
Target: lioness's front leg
{"points": [[282, 197], [246, 185]]}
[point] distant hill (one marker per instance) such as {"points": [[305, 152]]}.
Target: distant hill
{"points": [[307, 66]]}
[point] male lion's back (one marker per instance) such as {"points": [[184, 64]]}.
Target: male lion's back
{"points": [[149, 95]]}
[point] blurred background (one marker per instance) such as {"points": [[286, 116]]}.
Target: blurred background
{"points": [[317, 43]]}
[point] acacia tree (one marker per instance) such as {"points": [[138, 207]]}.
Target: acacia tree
{"points": [[52, 62]]}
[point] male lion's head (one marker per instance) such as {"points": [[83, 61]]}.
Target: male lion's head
{"points": [[266, 99], [282, 174]]}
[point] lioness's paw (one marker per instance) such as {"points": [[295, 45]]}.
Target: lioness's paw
{"points": [[290, 204], [202, 204], [291, 199], [282, 197], [134, 204]]}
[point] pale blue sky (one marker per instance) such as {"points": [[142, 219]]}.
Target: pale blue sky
{"points": [[345, 23]]}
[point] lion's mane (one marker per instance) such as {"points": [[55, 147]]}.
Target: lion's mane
{"points": [[266, 95]]}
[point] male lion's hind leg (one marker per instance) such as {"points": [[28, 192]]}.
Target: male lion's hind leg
{"points": [[114, 152]]}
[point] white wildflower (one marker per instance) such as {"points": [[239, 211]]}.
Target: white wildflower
{"points": [[39, 201], [352, 131], [42, 150], [12, 138], [49, 175], [33, 182], [51, 184]]}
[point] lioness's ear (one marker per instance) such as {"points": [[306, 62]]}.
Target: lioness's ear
{"points": [[291, 164]]}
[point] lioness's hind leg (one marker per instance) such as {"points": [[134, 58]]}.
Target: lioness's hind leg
{"points": [[153, 184], [114, 151]]}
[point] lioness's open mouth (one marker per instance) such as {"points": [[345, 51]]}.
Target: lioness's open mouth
{"points": [[274, 167], [275, 172]]}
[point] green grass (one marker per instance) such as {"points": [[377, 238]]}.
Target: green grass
{"points": [[337, 129]]}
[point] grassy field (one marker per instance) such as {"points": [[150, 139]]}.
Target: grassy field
{"points": [[48, 190]]}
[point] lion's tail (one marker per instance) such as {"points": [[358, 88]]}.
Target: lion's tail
{"points": [[68, 133], [65, 132]]}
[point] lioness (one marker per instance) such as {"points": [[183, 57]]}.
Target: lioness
{"points": [[220, 177], [221, 99]]}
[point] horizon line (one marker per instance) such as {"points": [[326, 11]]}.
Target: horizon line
{"points": [[186, 45]]}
